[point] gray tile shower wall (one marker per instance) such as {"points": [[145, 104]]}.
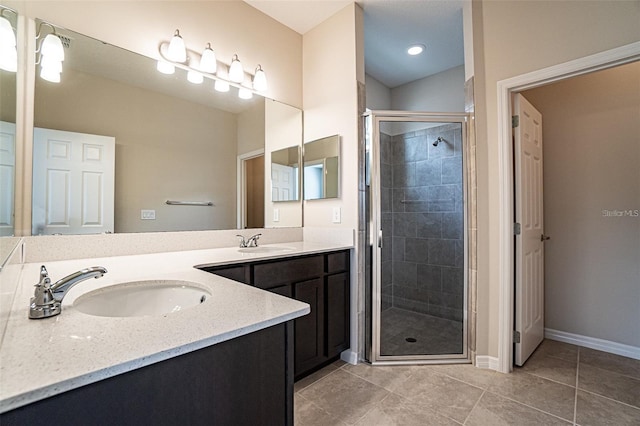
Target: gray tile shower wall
{"points": [[422, 205]]}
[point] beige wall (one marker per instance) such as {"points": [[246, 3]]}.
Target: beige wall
{"points": [[232, 27], [378, 95], [513, 38], [7, 96], [591, 136], [441, 92], [156, 160], [331, 107], [251, 129], [283, 129]]}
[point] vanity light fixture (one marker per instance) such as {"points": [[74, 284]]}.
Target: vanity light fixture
{"points": [[260, 80], [8, 52], [194, 76], [177, 51], [208, 61], [221, 86], [165, 67], [205, 66], [236, 72], [51, 54], [245, 93]]}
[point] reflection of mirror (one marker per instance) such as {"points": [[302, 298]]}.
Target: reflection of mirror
{"points": [[322, 168], [7, 123], [174, 140], [285, 174]]}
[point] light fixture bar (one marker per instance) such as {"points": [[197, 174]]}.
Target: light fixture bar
{"points": [[164, 58]]}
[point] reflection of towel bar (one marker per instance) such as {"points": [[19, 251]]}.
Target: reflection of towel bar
{"points": [[425, 201], [189, 203]]}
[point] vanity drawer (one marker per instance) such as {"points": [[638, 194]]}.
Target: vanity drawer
{"points": [[337, 262], [272, 274]]}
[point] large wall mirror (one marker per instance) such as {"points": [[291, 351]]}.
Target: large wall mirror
{"points": [[322, 168], [168, 154]]}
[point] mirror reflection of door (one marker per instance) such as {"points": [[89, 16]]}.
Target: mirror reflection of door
{"points": [[7, 174], [254, 179], [73, 182]]}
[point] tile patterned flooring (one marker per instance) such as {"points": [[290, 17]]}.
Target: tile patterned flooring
{"points": [[561, 384], [433, 335]]}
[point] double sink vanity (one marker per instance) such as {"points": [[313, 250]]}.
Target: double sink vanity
{"points": [[177, 337]]}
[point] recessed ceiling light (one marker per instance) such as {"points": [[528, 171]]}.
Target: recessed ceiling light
{"points": [[416, 49]]}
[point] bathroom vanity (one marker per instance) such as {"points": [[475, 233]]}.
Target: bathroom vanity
{"points": [[322, 281], [227, 360]]}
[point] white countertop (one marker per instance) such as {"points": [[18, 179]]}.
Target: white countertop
{"points": [[41, 358]]}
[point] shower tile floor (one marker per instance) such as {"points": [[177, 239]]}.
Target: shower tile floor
{"points": [[433, 336]]}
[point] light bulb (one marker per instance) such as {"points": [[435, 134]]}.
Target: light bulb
{"points": [[8, 58], [244, 93], [165, 67], [416, 49], [50, 74], [195, 77], [236, 72], [7, 36], [52, 47], [208, 60], [177, 51], [260, 80], [52, 64], [221, 86]]}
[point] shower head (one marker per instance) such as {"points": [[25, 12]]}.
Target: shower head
{"points": [[437, 141]]}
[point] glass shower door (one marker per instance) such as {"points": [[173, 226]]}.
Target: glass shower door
{"points": [[417, 217]]}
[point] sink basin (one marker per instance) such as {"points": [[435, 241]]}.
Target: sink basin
{"points": [[265, 249], [142, 298]]}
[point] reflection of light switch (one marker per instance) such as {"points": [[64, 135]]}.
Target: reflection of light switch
{"points": [[336, 215], [148, 214], [276, 215]]}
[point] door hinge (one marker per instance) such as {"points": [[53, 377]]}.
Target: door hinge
{"points": [[516, 228], [516, 336], [515, 121]]}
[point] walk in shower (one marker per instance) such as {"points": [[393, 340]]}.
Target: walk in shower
{"points": [[416, 260]]}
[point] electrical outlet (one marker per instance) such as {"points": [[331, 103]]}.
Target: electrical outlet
{"points": [[148, 214], [336, 218], [276, 215]]}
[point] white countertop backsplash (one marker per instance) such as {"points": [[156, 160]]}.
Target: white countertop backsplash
{"points": [[41, 358]]}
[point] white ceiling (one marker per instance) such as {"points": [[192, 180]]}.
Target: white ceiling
{"points": [[390, 26]]}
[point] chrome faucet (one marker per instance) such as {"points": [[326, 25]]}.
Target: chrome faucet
{"points": [[249, 242], [47, 298]]}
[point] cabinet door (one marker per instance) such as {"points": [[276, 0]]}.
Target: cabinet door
{"points": [[240, 273], [337, 303], [309, 329], [283, 290]]}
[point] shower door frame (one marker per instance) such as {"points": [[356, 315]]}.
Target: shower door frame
{"points": [[374, 230]]}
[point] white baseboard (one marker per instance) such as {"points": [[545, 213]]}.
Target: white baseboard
{"points": [[593, 343], [487, 362], [349, 357]]}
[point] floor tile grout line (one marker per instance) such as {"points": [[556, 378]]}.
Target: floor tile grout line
{"points": [[610, 399], [575, 397], [320, 379], [322, 409], [546, 378], [474, 406], [530, 406], [613, 372]]}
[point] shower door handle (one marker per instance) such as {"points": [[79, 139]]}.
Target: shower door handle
{"points": [[380, 238]]}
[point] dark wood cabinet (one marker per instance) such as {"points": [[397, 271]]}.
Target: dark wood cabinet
{"points": [[309, 350], [322, 281], [243, 381]]}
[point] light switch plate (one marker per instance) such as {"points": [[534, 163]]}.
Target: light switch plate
{"points": [[276, 215], [148, 214], [336, 218]]}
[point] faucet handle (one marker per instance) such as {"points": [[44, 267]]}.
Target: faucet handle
{"points": [[44, 277], [253, 240], [243, 243]]}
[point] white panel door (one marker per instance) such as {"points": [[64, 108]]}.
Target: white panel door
{"points": [[283, 182], [73, 182], [529, 315], [7, 176]]}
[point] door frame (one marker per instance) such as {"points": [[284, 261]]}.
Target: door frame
{"points": [[241, 182], [599, 61]]}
